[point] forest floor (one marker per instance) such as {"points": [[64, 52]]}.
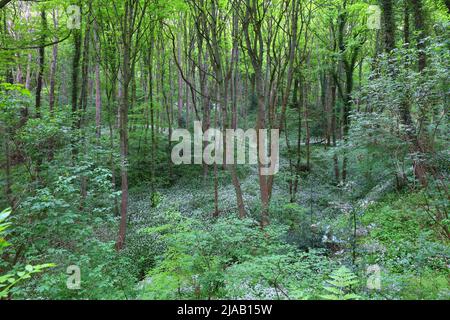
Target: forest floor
{"points": [[327, 214], [175, 249]]}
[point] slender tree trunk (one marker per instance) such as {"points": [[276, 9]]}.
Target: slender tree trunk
{"points": [[260, 124], [152, 112], [167, 103], [30, 57], [127, 27], [180, 84], [234, 73], [98, 92], [346, 113], [53, 65], [41, 65], [109, 94], [290, 75], [295, 167], [28, 73], [406, 14], [308, 133], [405, 112], [74, 92], [123, 132], [83, 106], [327, 108], [389, 24], [202, 62], [419, 25], [333, 127]]}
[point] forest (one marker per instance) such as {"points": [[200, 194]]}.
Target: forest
{"points": [[120, 181]]}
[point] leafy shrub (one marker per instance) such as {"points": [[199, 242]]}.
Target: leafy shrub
{"points": [[12, 278], [230, 258]]}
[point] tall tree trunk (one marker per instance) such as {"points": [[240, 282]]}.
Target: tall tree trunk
{"points": [[346, 113], [420, 167], [98, 92], [123, 132], [405, 112], [74, 92], [51, 97], [166, 102], [308, 132], [180, 84], [202, 62], [234, 74], [83, 103], [255, 48], [326, 108], [389, 24], [30, 57], [333, 127], [28, 73], [129, 19], [110, 93], [406, 14], [419, 25], [152, 111], [41, 64], [295, 166], [40, 79]]}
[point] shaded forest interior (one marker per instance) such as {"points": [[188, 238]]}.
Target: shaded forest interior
{"points": [[91, 92]]}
